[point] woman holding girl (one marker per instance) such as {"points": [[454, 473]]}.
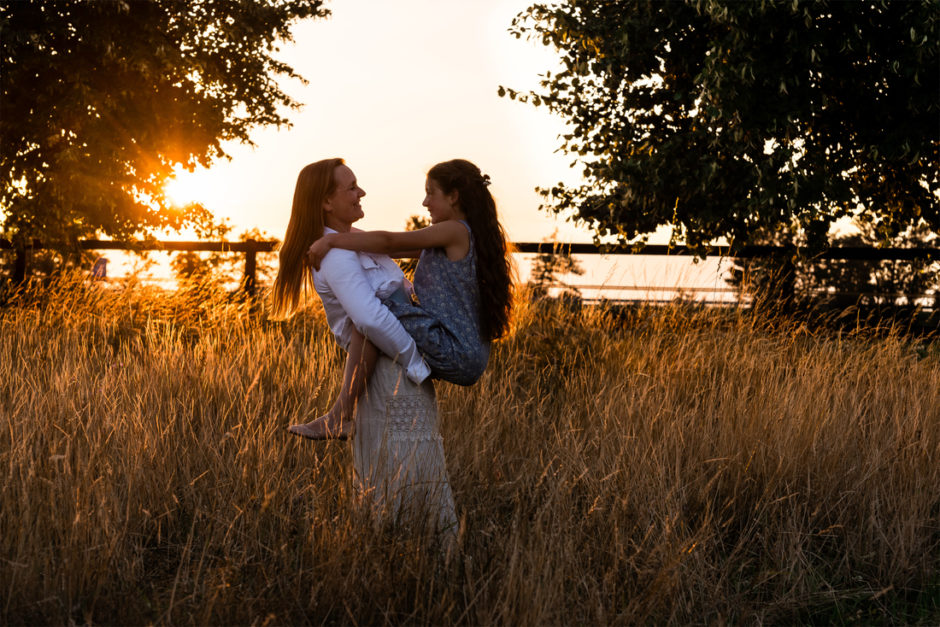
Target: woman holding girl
{"points": [[463, 283]]}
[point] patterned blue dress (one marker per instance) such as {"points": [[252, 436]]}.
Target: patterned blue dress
{"points": [[445, 323]]}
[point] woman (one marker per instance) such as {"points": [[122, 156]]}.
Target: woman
{"points": [[398, 453], [463, 280]]}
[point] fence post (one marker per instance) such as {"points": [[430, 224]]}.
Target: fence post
{"points": [[251, 267], [19, 267]]}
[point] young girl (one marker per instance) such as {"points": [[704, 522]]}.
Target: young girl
{"points": [[462, 283]]}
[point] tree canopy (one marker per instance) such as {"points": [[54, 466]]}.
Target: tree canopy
{"points": [[102, 100], [726, 119]]}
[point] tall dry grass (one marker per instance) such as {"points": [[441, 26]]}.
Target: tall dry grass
{"points": [[670, 465]]}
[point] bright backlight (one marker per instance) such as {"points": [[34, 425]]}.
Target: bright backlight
{"points": [[192, 187]]}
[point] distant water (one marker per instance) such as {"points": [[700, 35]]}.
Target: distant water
{"points": [[645, 277], [612, 277]]}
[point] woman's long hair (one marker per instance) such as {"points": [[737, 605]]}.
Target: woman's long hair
{"points": [[315, 183], [494, 264]]}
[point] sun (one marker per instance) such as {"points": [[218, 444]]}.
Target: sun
{"points": [[184, 188]]}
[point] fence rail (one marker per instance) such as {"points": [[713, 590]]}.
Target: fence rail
{"points": [[251, 248], [869, 253]]}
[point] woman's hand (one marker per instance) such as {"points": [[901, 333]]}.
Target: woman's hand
{"points": [[318, 250]]}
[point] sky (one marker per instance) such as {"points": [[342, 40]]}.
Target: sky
{"points": [[395, 87]]}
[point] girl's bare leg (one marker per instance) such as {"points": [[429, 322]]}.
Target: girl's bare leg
{"points": [[337, 423]]}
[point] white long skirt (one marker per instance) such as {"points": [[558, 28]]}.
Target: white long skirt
{"points": [[398, 452]]}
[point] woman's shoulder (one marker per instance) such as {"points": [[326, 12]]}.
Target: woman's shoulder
{"points": [[337, 263], [339, 266]]}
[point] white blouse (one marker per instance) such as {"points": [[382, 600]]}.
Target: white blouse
{"points": [[351, 286]]}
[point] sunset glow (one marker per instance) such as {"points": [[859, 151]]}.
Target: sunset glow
{"points": [[185, 188], [404, 97]]}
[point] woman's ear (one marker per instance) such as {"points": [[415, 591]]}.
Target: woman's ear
{"points": [[454, 198]]}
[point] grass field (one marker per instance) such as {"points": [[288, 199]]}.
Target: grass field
{"points": [[670, 465]]}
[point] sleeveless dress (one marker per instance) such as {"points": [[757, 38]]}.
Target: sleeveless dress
{"points": [[445, 323]]}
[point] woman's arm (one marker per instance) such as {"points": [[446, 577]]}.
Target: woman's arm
{"points": [[348, 292], [450, 235]]}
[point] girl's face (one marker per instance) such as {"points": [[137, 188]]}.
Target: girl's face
{"points": [[441, 206]]}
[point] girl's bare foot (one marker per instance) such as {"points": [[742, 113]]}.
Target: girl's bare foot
{"points": [[337, 423], [326, 427]]}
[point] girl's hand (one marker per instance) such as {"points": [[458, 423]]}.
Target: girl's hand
{"points": [[318, 250]]}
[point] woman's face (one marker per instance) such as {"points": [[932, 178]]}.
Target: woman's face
{"points": [[440, 206], [342, 207]]}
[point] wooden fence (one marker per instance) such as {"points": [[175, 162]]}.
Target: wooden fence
{"points": [[251, 248]]}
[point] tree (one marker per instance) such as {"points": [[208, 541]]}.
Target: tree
{"points": [[205, 267], [546, 268], [101, 100], [842, 283], [885, 283], [222, 270], [725, 118]]}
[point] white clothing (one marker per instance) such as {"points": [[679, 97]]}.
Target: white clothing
{"points": [[398, 453], [351, 284]]}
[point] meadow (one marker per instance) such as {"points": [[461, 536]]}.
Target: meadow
{"points": [[664, 465]]}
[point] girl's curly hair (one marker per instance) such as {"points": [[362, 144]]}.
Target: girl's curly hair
{"points": [[494, 264]]}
